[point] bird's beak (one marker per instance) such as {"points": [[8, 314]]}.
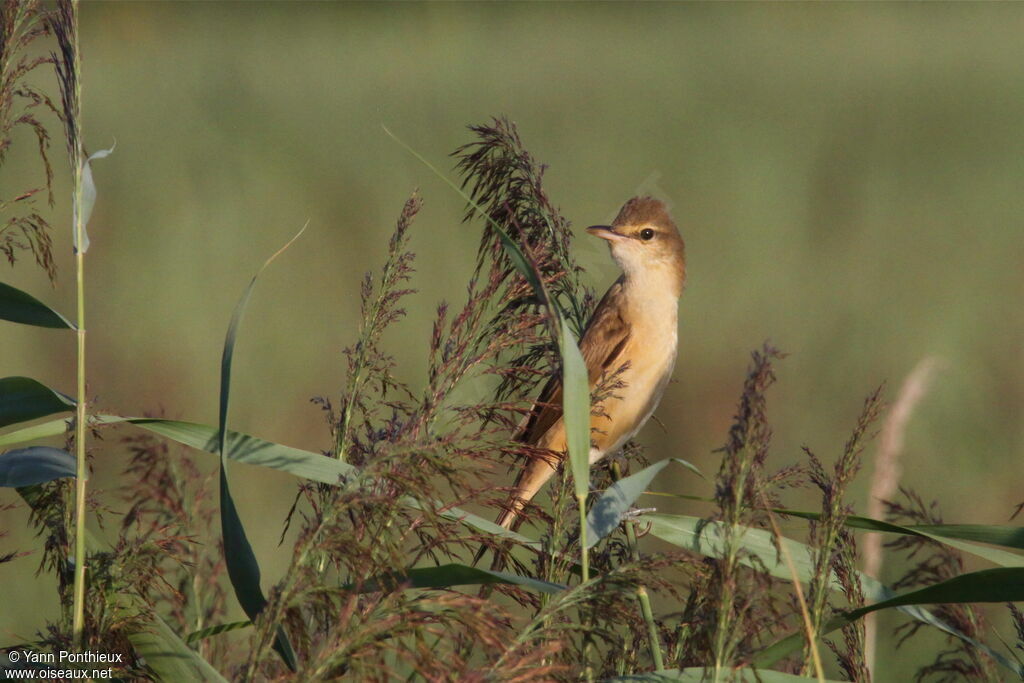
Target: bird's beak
{"points": [[605, 232]]}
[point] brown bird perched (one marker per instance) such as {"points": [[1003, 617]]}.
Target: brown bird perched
{"points": [[632, 332]]}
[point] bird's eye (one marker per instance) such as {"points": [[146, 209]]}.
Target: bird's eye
{"points": [[646, 234]]}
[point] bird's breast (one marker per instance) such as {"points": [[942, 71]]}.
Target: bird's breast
{"points": [[651, 354]]}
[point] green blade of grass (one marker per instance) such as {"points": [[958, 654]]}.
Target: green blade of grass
{"points": [[250, 449], [963, 537], [576, 410], [39, 431], [315, 466], [947, 534], [996, 534], [35, 465], [23, 399], [21, 307], [243, 568], [705, 538], [1003, 584], [616, 501]]}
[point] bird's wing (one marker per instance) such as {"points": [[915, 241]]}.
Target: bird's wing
{"points": [[603, 340]]}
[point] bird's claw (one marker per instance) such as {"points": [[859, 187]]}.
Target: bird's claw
{"points": [[634, 514]]}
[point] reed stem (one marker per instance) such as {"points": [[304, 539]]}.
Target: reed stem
{"points": [[82, 466]]}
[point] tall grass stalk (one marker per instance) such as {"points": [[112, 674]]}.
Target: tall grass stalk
{"points": [[64, 23], [641, 590], [81, 469], [581, 502]]}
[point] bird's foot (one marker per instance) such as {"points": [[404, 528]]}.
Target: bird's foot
{"points": [[634, 514]]}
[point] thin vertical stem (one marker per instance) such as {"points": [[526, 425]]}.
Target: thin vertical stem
{"points": [[641, 591], [584, 554], [82, 470], [581, 502], [82, 467]]}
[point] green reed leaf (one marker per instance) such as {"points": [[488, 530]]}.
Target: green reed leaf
{"points": [[963, 537], [947, 534], [616, 501], [35, 465], [23, 399], [1003, 584], [21, 307], [576, 410], [39, 431], [243, 568]]}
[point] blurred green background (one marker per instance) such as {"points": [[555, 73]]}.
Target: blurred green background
{"points": [[848, 179]]}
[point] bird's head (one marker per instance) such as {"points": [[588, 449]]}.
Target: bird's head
{"points": [[646, 243]]}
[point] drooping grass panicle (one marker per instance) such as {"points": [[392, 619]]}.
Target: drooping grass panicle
{"points": [[63, 23], [1017, 619], [8, 555], [505, 180], [145, 570], [22, 227]]}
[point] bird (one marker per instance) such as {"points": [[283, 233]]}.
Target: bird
{"points": [[631, 336]]}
